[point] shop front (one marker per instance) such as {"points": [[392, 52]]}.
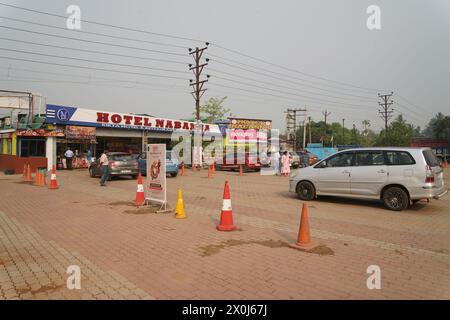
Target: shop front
{"points": [[93, 130]]}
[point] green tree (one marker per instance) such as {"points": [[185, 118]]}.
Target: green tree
{"points": [[213, 109], [438, 127], [399, 133]]}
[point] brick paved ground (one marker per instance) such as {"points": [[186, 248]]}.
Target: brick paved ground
{"points": [[128, 253]]}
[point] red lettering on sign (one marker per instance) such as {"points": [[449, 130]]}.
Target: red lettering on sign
{"points": [[159, 123], [186, 125], [102, 117], [177, 125], [192, 126], [206, 127], [147, 122], [128, 119], [169, 124], [116, 118], [138, 121]]}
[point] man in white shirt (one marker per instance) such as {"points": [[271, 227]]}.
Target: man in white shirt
{"points": [[104, 165], [69, 158]]}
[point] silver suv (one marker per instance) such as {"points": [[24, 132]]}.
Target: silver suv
{"points": [[397, 176]]}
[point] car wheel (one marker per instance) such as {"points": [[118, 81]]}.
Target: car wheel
{"points": [[306, 191], [91, 172], [134, 177], [395, 199], [174, 175]]}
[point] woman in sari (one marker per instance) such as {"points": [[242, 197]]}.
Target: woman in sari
{"points": [[285, 169]]}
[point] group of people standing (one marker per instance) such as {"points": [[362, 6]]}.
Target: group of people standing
{"points": [[282, 163]]}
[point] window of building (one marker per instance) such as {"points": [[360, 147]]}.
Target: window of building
{"points": [[32, 147]]}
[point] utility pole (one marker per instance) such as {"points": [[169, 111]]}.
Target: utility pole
{"points": [[326, 114], [198, 84], [354, 134], [386, 110], [198, 92], [343, 127], [366, 124], [291, 127], [309, 127]]}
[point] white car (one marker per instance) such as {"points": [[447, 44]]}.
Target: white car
{"points": [[397, 176]]}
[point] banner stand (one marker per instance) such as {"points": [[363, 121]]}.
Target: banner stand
{"points": [[156, 178]]}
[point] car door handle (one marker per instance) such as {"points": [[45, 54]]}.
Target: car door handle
{"points": [[382, 171], [346, 171]]}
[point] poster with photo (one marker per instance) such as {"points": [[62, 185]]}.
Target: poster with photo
{"points": [[156, 172]]}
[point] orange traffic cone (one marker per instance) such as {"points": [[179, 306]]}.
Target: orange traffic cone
{"points": [[226, 217], [41, 179], [445, 164], [29, 178], [214, 167], [304, 239], [36, 178], [140, 195], [53, 182], [241, 173], [24, 174]]}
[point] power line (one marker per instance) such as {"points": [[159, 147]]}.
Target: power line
{"points": [[270, 75], [92, 51], [94, 33], [89, 77], [280, 74], [312, 99], [281, 97], [197, 40], [292, 70], [289, 88], [103, 24], [40, 80], [93, 68], [92, 61], [94, 42]]}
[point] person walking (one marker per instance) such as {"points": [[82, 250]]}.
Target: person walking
{"points": [[89, 157], [104, 165], [69, 158], [285, 168]]}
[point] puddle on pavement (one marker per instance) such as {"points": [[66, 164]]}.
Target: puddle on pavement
{"points": [[212, 249], [444, 251], [145, 210], [122, 203], [321, 250], [40, 290]]}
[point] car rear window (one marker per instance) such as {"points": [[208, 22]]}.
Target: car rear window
{"points": [[399, 158], [121, 157], [430, 158]]}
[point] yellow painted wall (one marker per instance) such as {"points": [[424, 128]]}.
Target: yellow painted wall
{"points": [[14, 145]]}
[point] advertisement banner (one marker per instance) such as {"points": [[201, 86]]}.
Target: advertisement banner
{"points": [[156, 172], [245, 124], [85, 133], [40, 133], [74, 116]]}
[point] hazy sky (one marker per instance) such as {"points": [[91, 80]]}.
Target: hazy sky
{"points": [[327, 39]]}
